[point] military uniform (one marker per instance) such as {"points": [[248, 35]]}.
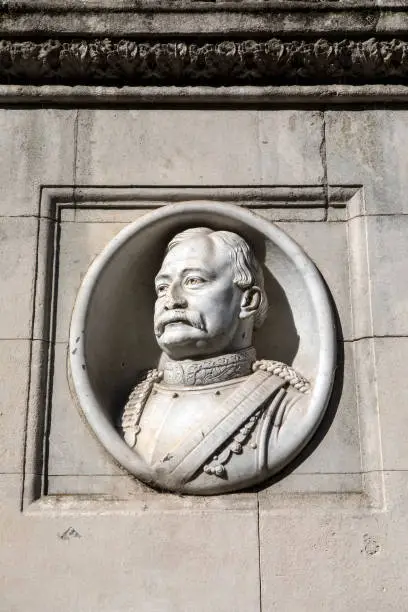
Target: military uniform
{"points": [[211, 425]]}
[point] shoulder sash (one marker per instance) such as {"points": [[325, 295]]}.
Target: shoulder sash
{"points": [[189, 456]]}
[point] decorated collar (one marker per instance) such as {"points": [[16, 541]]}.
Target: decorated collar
{"points": [[207, 371]]}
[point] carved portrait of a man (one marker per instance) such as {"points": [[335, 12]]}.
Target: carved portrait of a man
{"points": [[212, 417]]}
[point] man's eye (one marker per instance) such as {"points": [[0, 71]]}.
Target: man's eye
{"points": [[194, 281], [161, 289]]}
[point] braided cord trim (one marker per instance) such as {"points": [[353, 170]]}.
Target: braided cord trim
{"points": [[135, 404], [216, 467], [296, 380]]}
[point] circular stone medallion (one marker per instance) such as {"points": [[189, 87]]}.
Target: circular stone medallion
{"points": [[216, 378]]}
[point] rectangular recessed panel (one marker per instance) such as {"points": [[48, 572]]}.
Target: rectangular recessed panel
{"points": [[75, 463]]}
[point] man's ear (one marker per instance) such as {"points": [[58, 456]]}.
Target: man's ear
{"points": [[250, 302]]}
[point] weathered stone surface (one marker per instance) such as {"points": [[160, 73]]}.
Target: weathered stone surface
{"points": [[17, 275], [339, 449], [301, 133], [327, 245], [356, 550], [173, 148], [72, 448], [368, 408], [45, 261], [235, 96], [391, 358], [366, 17], [364, 148], [37, 149], [360, 286], [165, 565], [14, 372], [387, 252], [40, 358], [80, 244], [167, 149]]}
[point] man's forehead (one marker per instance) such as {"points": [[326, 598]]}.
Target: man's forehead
{"points": [[199, 251]]}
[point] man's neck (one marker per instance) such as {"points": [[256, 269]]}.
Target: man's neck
{"points": [[209, 370]]}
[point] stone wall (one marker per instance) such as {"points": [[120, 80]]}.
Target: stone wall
{"points": [[76, 165]]}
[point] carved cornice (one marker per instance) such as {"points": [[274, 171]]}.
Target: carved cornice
{"points": [[124, 6], [130, 6], [181, 63]]}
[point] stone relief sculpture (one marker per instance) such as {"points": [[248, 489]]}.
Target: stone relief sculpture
{"points": [[211, 410], [212, 416]]}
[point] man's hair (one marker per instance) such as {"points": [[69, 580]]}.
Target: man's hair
{"points": [[247, 271]]}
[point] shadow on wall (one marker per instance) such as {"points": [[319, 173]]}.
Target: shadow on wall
{"points": [[330, 411], [277, 339]]}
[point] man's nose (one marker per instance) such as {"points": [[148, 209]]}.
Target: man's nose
{"points": [[175, 297]]}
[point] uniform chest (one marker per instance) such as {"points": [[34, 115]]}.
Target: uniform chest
{"points": [[173, 413]]}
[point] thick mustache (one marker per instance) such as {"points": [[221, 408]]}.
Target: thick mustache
{"points": [[191, 317]]}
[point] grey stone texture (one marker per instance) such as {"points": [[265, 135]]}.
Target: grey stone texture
{"points": [[334, 561], [377, 138], [173, 148], [38, 149], [76, 532], [18, 256], [100, 17], [81, 566], [15, 367]]}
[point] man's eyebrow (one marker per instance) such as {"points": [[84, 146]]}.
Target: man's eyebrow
{"points": [[199, 270], [161, 277]]}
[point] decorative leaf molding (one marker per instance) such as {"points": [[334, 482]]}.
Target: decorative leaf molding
{"points": [[228, 62]]}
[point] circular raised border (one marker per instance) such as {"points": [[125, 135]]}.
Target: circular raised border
{"points": [[96, 414]]}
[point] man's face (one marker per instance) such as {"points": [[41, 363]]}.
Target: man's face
{"points": [[198, 305]]}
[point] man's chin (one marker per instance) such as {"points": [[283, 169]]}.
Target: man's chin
{"points": [[182, 344]]}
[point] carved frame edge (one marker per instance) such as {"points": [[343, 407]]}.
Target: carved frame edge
{"points": [[316, 96], [53, 200]]}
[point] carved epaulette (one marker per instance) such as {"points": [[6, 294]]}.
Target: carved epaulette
{"points": [[134, 407], [216, 466], [284, 371]]}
